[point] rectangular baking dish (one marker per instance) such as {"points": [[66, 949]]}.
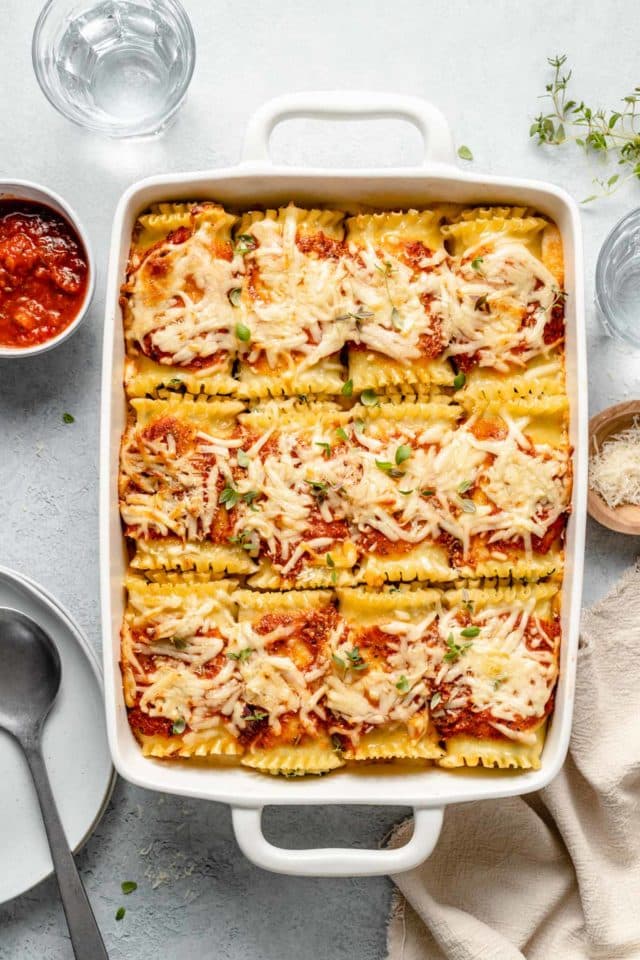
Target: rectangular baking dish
{"points": [[257, 182]]}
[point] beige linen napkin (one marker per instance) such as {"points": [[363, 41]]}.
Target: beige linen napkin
{"points": [[553, 875]]}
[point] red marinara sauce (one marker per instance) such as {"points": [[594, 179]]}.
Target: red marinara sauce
{"points": [[43, 273]]}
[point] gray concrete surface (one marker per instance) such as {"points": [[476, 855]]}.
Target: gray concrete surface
{"points": [[484, 65]]}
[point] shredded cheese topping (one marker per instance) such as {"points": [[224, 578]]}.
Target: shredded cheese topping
{"points": [[298, 304], [340, 683], [283, 501]]}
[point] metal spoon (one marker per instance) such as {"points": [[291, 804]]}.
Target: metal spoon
{"points": [[29, 681]]}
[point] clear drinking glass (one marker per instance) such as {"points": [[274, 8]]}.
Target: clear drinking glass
{"points": [[118, 67], [618, 280]]}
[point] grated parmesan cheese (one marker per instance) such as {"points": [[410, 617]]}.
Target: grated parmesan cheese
{"points": [[614, 469]]}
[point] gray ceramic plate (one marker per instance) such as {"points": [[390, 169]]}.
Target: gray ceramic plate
{"points": [[75, 749]]}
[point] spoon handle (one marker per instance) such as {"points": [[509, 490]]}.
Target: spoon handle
{"points": [[85, 937]]}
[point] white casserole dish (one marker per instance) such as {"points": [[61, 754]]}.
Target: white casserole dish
{"points": [[257, 181]]}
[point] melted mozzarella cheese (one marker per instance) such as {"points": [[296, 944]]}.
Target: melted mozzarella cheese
{"points": [[524, 488], [517, 289], [179, 300]]}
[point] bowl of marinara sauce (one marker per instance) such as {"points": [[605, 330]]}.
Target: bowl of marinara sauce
{"points": [[46, 269]]}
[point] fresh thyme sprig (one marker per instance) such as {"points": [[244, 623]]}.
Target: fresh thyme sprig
{"points": [[607, 132]]}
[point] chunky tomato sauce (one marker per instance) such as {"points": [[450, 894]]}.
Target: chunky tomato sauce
{"points": [[43, 273]]}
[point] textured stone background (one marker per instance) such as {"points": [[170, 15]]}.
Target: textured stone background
{"points": [[484, 65]]}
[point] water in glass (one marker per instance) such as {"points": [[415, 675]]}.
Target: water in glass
{"points": [[121, 65]]}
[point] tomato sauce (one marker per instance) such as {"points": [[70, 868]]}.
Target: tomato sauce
{"points": [[554, 328], [324, 247], [372, 541], [414, 253], [556, 530], [467, 722], [161, 429], [43, 273], [141, 722], [216, 359]]}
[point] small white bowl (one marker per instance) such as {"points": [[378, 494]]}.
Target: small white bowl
{"points": [[27, 190]]}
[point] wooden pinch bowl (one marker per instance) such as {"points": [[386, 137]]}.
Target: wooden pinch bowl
{"points": [[626, 517]]}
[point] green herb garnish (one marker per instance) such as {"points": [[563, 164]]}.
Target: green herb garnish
{"points": [[243, 459], [235, 296], [342, 434], [459, 380], [482, 304], [336, 743], [330, 560], [468, 506], [476, 263], [256, 715], [229, 497], [464, 486], [319, 489], [454, 650], [179, 643], [435, 700], [604, 132], [174, 382], [470, 632], [241, 655], [179, 726], [326, 447], [402, 453], [403, 684], [68, 418], [120, 912], [353, 660], [128, 886], [243, 333], [347, 388], [249, 540], [244, 243], [389, 468], [427, 493], [369, 398], [464, 153], [386, 270], [359, 314], [396, 319]]}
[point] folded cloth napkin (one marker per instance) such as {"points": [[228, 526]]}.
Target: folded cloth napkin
{"points": [[553, 875]]}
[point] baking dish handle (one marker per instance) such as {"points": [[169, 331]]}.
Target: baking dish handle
{"points": [[342, 105], [336, 861]]}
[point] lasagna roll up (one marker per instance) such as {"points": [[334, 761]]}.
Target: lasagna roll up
{"points": [[176, 679], [399, 337], [504, 299], [177, 301], [281, 653], [379, 686], [178, 457], [498, 669], [292, 302]]}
